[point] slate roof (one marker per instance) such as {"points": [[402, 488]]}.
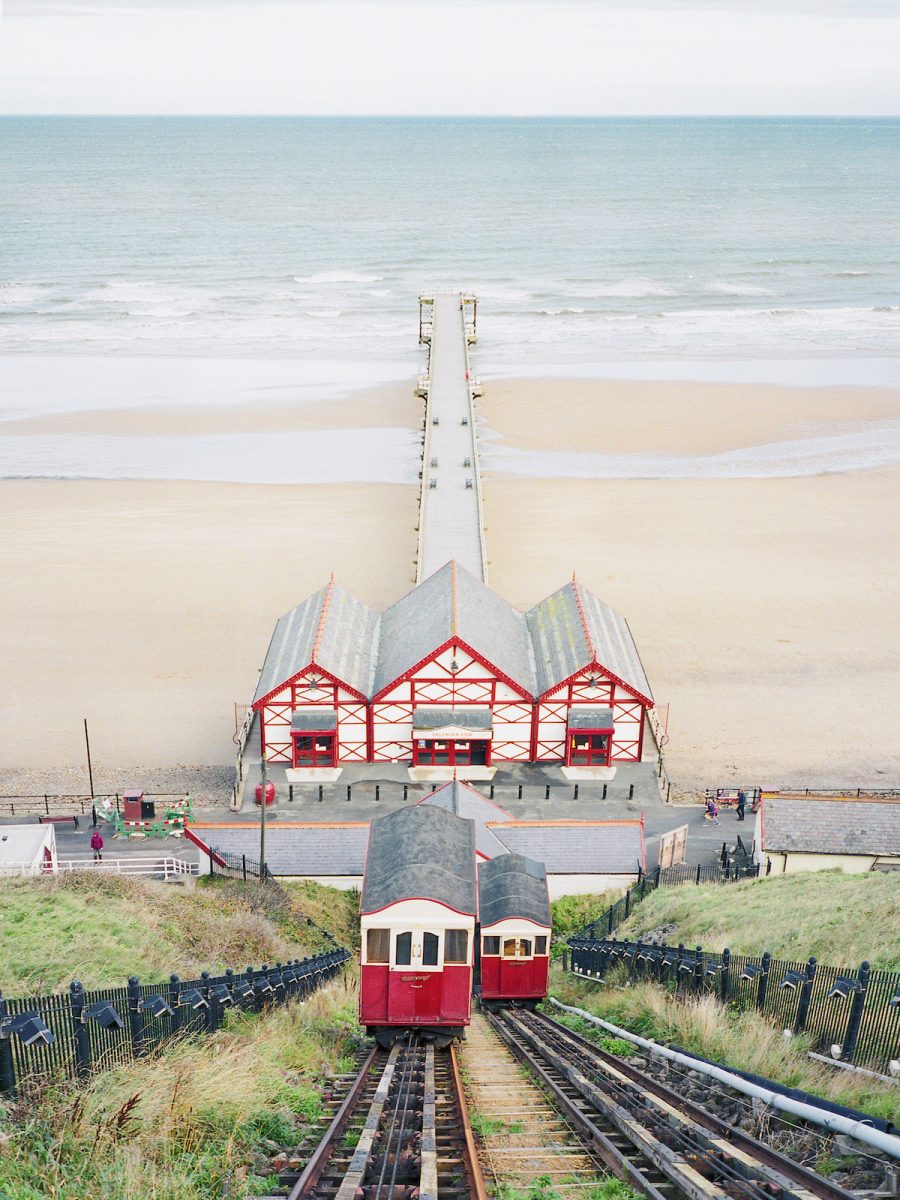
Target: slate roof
{"points": [[312, 849], [578, 847], [313, 719], [330, 628], [464, 801], [572, 629], [453, 603], [830, 826], [562, 635], [420, 851], [512, 886]]}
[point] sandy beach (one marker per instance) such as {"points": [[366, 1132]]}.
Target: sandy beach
{"points": [[764, 609]]}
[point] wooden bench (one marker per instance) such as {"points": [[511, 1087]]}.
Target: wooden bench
{"points": [[43, 820]]}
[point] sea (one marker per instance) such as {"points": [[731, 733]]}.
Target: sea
{"points": [[206, 260]]}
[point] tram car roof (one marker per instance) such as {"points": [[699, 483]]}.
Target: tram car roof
{"points": [[512, 885], [420, 852]]}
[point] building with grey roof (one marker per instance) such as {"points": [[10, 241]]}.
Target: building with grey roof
{"points": [[810, 833], [451, 678]]}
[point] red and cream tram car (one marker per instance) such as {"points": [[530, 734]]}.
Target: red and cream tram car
{"points": [[514, 911], [418, 910]]}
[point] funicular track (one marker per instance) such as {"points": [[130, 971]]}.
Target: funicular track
{"points": [[400, 1131], [656, 1141]]}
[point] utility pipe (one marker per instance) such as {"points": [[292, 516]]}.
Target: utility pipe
{"points": [[887, 1143]]}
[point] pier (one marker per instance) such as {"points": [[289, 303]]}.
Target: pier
{"points": [[450, 511]]}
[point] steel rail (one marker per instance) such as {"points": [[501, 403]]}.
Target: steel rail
{"points": [[335, 1130], [794, 1171], [471, 1161], [604, 1148]]}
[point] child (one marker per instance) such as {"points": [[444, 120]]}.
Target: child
{"points": [[97, 844], [712, 812]]}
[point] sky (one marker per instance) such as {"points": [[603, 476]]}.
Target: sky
{"points": [[468, 57]]}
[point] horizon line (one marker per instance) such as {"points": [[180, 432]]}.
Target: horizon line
{"points": [[338, 116]]}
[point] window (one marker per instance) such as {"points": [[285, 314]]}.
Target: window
{"points": [[517, 948], [490, 945], [456, 946], [540, 945], [403, 950], [430, 949], [378, 945]]}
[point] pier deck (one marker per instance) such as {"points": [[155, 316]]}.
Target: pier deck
{"points": [[450, 517]]}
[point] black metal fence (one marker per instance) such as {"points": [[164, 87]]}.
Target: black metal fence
{"points": [[856, 1011], [82, 1031], [69, 804], [733, 866]]}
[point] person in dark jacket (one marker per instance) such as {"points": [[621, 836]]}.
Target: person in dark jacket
{"points": [[97, 844], [741, 805]]}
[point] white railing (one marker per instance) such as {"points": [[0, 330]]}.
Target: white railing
{"points": [[165, 868]]}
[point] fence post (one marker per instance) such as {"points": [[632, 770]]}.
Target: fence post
{"points": [[699, 969], [658, 876], [82, 1037], [175, 999], [610, 921], [204, 992], [725, 981], [135, 1016], [641, 884], [220, 1008], [763, 986], [7, 1067], [627, 904], [565, 960], [805, 994], [697, 880], [857, 1004]]}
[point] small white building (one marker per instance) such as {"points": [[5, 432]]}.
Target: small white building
{"points": [[28, 850], [819, 833]]}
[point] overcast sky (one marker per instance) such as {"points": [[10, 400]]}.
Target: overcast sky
{"points": [[450, 56]]}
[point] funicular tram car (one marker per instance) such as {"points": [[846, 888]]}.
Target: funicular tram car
{"points": [[514, 911], [417, 915]]}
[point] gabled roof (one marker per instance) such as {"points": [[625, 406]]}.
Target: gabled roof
{"points": [[577, 847], [330, 629], [314, 848], [464, 801], [830, 826], [450, 604], [513, 886], [420, 851], [571, 630]]}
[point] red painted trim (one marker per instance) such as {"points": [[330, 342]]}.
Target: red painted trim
{"points": [[452, 642], [600, 669], [323, 617], [428, 899], [318, 670], [201, 845], [300, 733]]}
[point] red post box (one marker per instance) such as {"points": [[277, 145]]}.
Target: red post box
{"points": [[270, 793]]}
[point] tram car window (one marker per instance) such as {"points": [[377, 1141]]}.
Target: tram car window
{"points": [[514, 916], [417, 915]]}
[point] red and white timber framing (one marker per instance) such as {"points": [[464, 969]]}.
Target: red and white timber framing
{"points": [[597, 688], [453, 676], [310, 690]]}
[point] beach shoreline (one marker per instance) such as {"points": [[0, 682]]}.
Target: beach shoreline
{"points": [[763, 608]]}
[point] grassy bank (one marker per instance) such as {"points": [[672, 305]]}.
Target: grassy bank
{"points": [[841, 919], [101, 929], [743, 1040], [201, 1119], [572, 913]]}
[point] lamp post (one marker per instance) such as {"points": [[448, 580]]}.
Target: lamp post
{"points": [[262, 817]]}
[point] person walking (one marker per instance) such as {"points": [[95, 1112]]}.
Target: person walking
{"points": [[97, 844], [712, 812], [741, 805]]}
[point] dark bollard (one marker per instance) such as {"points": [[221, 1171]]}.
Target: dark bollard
{"points": [[547, 792], [290, 793], [377, 791], [603, 797], [520, 792], [349, 793], [405, 792], [491, 791], [631, 791], [321, 793], [575, 796]]}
